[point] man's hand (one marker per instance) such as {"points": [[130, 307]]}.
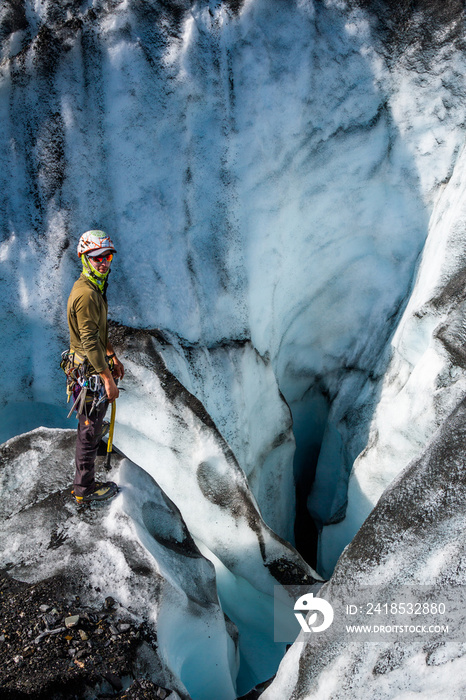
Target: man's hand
{"points": [[118, 369], [111, 388]]}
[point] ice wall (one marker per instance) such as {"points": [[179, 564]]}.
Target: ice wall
{"points": [[422, 382], [425, 379]]}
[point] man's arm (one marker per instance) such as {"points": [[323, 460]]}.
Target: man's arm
{"points": [[111, 388], [107, 377]]}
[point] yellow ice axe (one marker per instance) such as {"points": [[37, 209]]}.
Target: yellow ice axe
{"points": [[110, 436]]}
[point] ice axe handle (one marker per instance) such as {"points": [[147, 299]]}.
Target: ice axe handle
{"points": [[110, 436]]}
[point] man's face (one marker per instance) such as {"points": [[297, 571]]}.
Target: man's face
{"points": [[101, 262]]}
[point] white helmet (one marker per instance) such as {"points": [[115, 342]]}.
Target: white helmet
{"points": [[91, 241]]}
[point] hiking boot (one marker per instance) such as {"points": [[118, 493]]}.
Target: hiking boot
{"points": [[102, 492]]}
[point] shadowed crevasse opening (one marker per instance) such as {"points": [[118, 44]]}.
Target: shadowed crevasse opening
{"points": [[309, 420]]}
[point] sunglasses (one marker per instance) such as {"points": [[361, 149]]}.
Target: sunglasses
{"points": [[101, 258]]}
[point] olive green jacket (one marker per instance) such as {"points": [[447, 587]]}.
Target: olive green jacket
{"points": [[87, 319]]}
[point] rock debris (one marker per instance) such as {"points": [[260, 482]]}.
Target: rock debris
{"points": [[52, 645]]}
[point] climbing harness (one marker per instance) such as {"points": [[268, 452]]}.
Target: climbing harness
{"points": [[87, 389], [71, 370]]}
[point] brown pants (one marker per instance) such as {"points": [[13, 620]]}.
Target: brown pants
{"points": [[87, 442]]}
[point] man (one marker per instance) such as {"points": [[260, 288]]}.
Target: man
{"points": [[91, 356]]}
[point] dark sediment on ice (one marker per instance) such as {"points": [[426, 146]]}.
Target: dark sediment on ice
{"points": [[52, 645]]}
